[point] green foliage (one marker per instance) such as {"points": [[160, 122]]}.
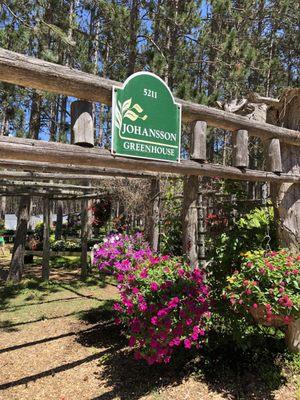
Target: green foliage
{"points": [[206, 51], [248, 234], [39, 231], [171, 228], [66, 245]]}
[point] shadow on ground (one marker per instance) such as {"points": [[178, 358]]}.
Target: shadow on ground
{"points": [[226, 369]]}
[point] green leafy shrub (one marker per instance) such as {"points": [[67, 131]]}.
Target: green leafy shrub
{"points": [[225, 256], [65, 245], [39, 231], [248, 233], [171, 228]]}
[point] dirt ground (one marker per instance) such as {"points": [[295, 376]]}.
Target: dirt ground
{"points": [[60, 343]]}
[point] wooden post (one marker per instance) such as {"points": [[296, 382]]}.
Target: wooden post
{"points": [[117, 209], [240, 148], [17, 260], [190, 218], [264, 194], [84, 238], [90, 218], [154, 226], [292, 336], [273, 155], [286, 196], [89, 212], [198, 149], [201, 226], [46, 239], [82, 125], [2, 207], [59, 220], [51, 206], [234, 210]]}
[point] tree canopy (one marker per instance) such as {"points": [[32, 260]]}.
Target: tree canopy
{"points": [[205, 50]]}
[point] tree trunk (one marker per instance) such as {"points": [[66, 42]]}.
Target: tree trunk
{"points": [[4, 124], [133, 31], [62, 134], [54, 119], [35, 116], [17, 261]]}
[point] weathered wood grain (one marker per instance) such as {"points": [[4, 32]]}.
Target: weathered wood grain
{"points": [[65, 171], [190, 219], [154, 218], [46, 241], [273, 155], [79, 157], [84, 238], [33, 184], [198, 145], [240, 149], [82, 124]]}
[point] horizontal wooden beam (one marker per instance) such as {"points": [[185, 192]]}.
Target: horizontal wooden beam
{"points": [[28, 170], [31, 185], [38, 74], [81, 196], [78, 157], [35, 193], [53, 195]]}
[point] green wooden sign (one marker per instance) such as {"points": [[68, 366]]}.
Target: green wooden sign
{"points": [[146, 121]]}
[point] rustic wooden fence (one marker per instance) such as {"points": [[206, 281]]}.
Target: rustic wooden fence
{"points": [[65, 161]]}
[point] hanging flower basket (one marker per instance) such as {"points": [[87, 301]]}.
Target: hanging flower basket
{"points": [[260, 316], [266, 286]]}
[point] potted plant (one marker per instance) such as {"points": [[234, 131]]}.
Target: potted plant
{"points": [[267, 286]]}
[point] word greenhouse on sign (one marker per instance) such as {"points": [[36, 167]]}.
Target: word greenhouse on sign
{"points": [[146, 121]]}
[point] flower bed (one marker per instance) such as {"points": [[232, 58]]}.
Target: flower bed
{"points": [[163, 301], [267, 286]]}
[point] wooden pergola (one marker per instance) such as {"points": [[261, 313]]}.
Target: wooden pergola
{"points": [[32, 162]]}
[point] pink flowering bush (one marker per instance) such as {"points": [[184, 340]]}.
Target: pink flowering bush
{"points": [[267, 286], [164, 305], [163, 301], [120, 252]]}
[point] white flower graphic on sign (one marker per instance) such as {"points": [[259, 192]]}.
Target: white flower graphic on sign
{"points": [[126, 111]]}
